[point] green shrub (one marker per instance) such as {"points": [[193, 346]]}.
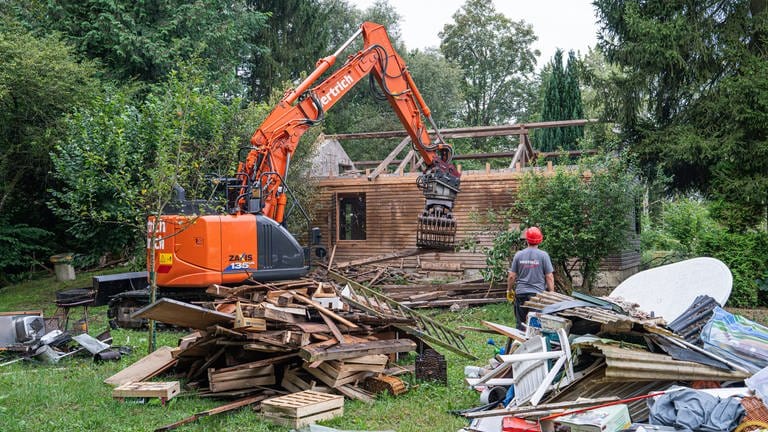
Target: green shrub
{"points": [[746, 254], [683, 222], [687, 229], [23, 247], [584, 217]]}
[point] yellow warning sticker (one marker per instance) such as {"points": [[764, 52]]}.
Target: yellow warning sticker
{"points": [[166, 258]]}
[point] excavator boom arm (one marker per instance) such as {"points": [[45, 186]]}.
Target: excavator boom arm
{"points": [[276, 139]]}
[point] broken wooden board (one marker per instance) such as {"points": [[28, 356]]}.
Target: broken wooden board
{"points": [[296, 380], [356, 393], [156, 362], [312, 353], [274, 313], [400, 254], [248, 324], [242, 378], [336, 373], [320, 308], [438, 266], [384, 383], [213, 411], [507, 331], [258, 363], [144, 389], [302, 408], [182, 314]]}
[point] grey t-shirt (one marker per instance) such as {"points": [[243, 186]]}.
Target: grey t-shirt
{"points": [[531, 265]]}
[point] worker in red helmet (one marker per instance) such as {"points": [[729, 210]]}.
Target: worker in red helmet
{"points": [[531, 272]]}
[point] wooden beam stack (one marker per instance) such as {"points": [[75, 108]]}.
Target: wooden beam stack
{"points": [[282, 337], [417, 289]]}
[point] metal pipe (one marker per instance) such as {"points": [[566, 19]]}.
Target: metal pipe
{"points": [[322, 65], [348, 42]]}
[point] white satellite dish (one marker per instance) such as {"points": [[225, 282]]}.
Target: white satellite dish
{"points": [[667, 291]]}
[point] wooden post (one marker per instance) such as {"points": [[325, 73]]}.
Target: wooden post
{"points": [[549, 166], [325, 311], [406, 159], [383, 165], [518, 167], [487, 167]]}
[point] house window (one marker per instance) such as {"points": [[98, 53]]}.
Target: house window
{"points": [[352, 217]]}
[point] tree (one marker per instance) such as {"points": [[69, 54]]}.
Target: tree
{"points": [[561, 101], [693, 96], [119, 159], [585, 216], [598, 80], [146, 40], [40, 81], [498, 62], [294, 37]]}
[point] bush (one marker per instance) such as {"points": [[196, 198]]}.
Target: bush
{"points": [[120, 157], [683, 222], [23, 247], [687, 228], [585, 216], [746, 254]]}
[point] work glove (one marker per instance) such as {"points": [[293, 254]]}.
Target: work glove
{"points": [[511, 295]]}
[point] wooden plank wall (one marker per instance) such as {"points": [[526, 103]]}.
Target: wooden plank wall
{"points": [[393, 204]]}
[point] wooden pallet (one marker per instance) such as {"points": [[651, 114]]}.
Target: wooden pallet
{"points": [[243, 378], [144, 389], [336, 373], [302, 408]]}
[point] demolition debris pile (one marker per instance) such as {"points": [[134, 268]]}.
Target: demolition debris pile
{"points": [[285, 339], [609, 364]]}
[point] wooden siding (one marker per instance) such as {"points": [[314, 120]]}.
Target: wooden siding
{"points": [[393, 204]]}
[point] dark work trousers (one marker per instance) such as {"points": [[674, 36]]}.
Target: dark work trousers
{"points": [[521, 313]]}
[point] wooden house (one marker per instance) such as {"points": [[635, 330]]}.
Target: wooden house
{"points": [[374, 212]]}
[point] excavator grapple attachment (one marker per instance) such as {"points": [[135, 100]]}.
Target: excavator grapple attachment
{"points": [[436, 230]]}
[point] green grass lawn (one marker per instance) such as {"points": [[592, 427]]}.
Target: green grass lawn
{"points": [[71, 395]]}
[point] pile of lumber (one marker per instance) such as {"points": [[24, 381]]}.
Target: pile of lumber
{"points": [[273, 339], [381, 274], [417, 289], [430, 295]]}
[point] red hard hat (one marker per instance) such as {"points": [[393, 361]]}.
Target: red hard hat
{"points": [[533, 235]]}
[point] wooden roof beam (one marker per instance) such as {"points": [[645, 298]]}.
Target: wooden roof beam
{"points": [[470, 132], [385, 163]]}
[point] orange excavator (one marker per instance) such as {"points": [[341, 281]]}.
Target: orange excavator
{"points": [[250, 241]]}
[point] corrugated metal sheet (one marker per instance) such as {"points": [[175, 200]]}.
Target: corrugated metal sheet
{"points": [[623, 364], [689, 324], [594, 385], [607, 317]]}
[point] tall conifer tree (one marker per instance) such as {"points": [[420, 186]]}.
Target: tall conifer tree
{"points": [[561, 101]]}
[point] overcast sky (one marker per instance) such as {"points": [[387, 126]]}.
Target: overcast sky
{"points": [[566, 24]]}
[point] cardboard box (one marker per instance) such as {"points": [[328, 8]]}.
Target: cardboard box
{"points": [[609, 419]]}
